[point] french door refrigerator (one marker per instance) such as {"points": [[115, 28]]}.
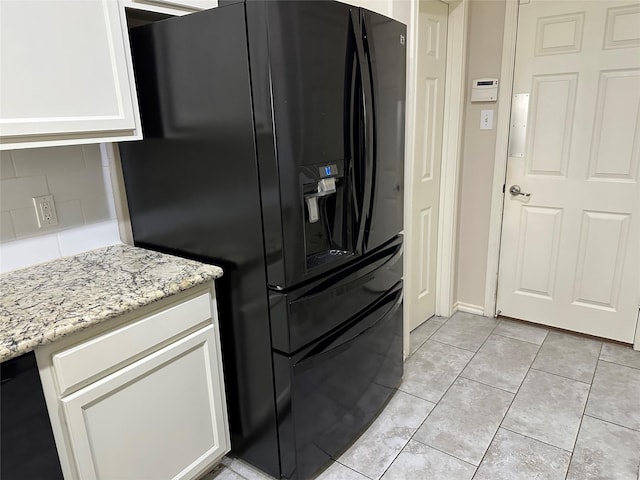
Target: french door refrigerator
{"points": [[274, 135]]}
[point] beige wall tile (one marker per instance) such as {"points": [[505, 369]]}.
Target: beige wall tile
{"points": [[96, 209], [92, 156], [84, 183], [6, 227], [6, 165], [70, 214], [42, 161], [25, 223], [17, 192]]}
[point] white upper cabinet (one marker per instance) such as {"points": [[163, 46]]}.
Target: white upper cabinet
{"points": [[170, 7], [65, 74]]}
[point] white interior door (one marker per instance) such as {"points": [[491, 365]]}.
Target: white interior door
{"points": [[425, 178], [569, 254]]}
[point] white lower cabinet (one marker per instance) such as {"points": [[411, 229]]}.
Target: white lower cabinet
{"points": [[162, 415]]}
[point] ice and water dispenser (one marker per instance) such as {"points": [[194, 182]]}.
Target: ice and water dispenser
{"points": [[328, 213]]}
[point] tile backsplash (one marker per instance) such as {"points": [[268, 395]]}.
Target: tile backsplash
{"points": [[78, 178]]}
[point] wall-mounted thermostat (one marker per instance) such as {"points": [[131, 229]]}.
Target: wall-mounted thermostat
{"points": [[484, 90]]}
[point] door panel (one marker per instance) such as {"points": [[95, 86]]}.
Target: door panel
{"points": [[313, 78], [385, 50], [569, 251], [429, 117]]}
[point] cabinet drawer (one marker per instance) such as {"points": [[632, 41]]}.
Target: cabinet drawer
{"points": [[116, 348]]}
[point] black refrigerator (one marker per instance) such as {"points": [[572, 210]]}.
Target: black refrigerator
{"points": [[274, 147]]}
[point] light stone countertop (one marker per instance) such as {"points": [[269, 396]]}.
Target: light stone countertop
{"points": [[42, 303]]}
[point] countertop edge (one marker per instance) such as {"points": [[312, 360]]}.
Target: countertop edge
{"points": [[26, 333]]}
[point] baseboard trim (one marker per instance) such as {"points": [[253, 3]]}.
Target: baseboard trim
{"points": [[468, 308]]}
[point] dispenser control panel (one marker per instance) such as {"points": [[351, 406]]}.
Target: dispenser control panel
{"points": [[328, 171]]}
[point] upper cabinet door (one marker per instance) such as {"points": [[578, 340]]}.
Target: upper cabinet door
{"points": [[66, 74], [170, 7]]}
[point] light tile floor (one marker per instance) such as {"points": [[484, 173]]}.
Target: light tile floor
{"points": [[498, 399]]}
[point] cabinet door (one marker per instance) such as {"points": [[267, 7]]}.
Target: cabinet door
{"points": [[161, 417], [65, 73], [171, 7]]}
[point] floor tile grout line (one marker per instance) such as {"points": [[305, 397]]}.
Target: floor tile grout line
{"points": [[487, 384], [435, 405], [454, 346], [584, 411], [618, 364], [591, 415], [426, 339], [353, 469], [518, 339], [561, 376], [509, 407], [419, 397], [505, 412], [446, 453], [536, 440], [449, 388]]}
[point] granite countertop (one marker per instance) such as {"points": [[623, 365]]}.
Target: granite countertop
{"points": [[42, 303]]}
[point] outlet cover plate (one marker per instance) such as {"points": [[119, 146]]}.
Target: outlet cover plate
{"points": [[45, 211]]}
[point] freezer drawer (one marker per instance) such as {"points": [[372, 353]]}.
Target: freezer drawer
{"points": [[331, 391], [304, 314]]}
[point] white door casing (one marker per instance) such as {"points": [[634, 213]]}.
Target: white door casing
{"points": [[569, 253], [423, 202]]}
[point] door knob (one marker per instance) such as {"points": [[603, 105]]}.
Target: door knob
{"points": [[515, 191]]}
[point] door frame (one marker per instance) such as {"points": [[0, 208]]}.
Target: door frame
{"points": [[454, 96], [500, 162]]}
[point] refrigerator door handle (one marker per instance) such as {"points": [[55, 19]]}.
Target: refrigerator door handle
{"points": [[338, 341], [369, 132]]}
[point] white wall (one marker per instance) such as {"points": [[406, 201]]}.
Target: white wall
{"points": [[78, 178], [484, 55]]}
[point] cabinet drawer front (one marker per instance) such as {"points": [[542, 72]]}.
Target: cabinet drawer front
{"points": [[101, 355]]}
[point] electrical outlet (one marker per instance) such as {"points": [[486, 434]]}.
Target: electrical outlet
{"points": [[45, 211]]}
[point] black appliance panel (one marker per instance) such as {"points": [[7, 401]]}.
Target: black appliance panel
{"points": [[314, 86], [193, 190], [300, 316], [331, 391], [27, 446], [385, 53]]}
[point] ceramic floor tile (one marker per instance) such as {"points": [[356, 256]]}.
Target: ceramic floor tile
{"points": [[418, 461], [548, 408], [615, 395], [568, 355], [421, 334], [245, 470], [501, 362], [521, 331], [223, 473], [620, 354], [604, 451], [432, 369], [465, 421], [464, 330], [515, 457], [379, 445], [337, 471]]}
